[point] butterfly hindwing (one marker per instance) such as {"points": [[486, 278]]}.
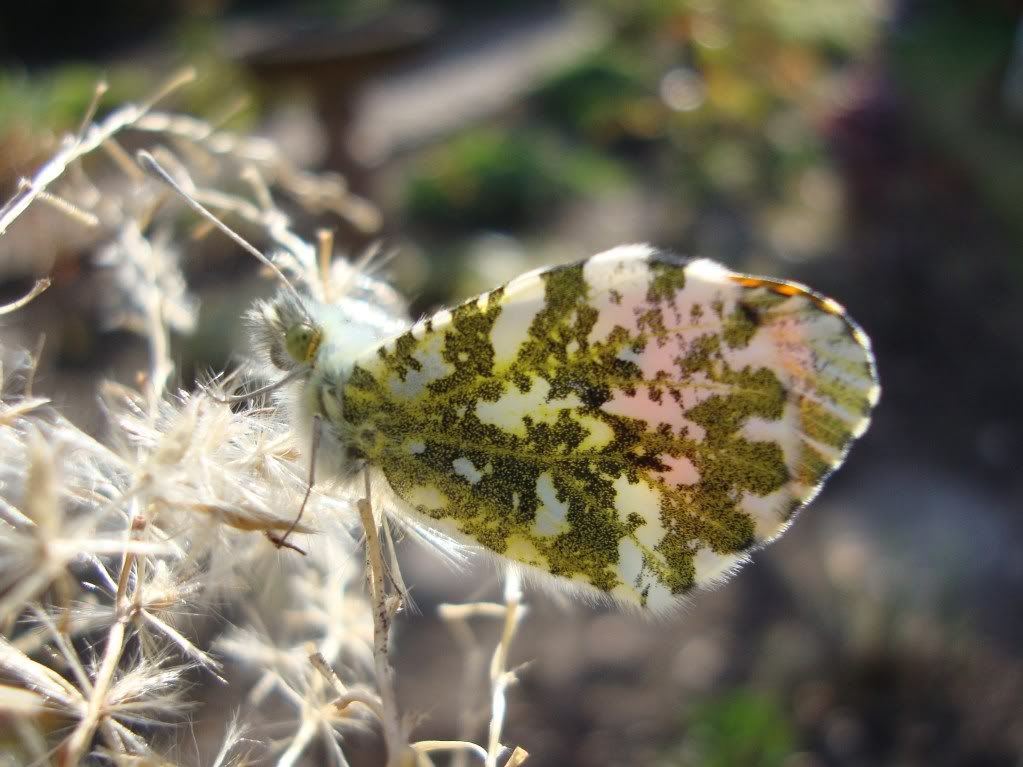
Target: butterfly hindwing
{"points": [[635, 423]]}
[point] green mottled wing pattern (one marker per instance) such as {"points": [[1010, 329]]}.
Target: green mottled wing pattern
{"points": [[634, 423]]}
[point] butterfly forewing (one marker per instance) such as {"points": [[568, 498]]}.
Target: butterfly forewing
{"points": [[634, 422]]}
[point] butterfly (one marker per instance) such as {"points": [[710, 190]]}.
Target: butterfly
{"points": [[634, 424]]}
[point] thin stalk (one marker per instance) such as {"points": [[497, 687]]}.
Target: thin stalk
{"points": [[500, 677], [382, 615]]}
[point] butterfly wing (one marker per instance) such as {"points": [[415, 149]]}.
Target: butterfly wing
{"points": [[634, 422]]}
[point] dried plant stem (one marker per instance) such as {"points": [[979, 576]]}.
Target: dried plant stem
{"points": [[383, 612], [37, 288], [67, 207], [460, 746], [517, 758], [299, 741], [326, 192], [79, 740], [161, 367], [75, 147], [456, 617], [346, 696], [500, 677]]}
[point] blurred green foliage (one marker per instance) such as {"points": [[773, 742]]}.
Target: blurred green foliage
{"points": [[949, 65], [739, 728], [739, 85], [39, 104], [56, 100], [36, 108], [837, 26], [491, 177], [348, 10], [596, 99], [704, 104]]}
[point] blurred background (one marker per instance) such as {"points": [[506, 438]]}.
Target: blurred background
{"points": [[871, 148]]}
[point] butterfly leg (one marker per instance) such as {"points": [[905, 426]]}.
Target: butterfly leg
{"points": [[281, 541]]}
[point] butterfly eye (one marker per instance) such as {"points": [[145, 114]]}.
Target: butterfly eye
{"points": [[302, 342]]}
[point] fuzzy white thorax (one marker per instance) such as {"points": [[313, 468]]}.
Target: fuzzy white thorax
{"points": [[351, 329]]}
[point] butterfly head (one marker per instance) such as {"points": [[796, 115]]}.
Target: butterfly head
{"points": [[294, 334], [284, 333]]}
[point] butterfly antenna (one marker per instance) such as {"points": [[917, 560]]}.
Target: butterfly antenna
{"points": [[150, 163]]}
